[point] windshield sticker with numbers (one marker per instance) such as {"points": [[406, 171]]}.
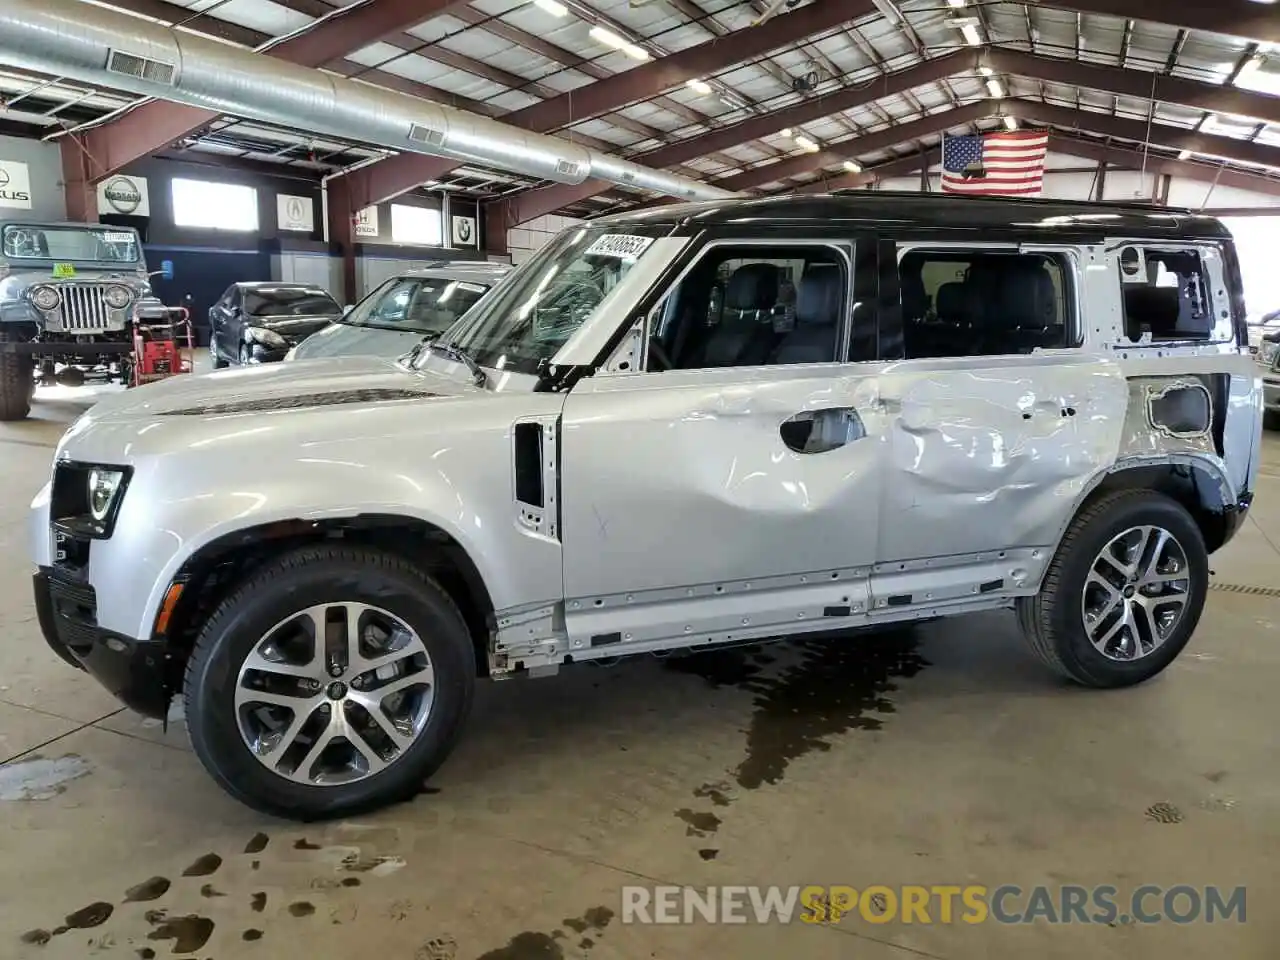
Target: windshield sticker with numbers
{"points": [[621, 245]]}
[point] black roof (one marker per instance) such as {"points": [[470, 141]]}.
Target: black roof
{"points": [[908, 210]]}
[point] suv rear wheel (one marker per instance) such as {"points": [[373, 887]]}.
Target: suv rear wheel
{"points": [[17, 381], [1124, 592], [334, 679]]}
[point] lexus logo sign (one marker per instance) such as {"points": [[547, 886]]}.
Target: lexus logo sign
{"points": [[15, 185], [124, 196]]}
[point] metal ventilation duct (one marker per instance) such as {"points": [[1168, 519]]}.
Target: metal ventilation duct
{"points": [[91, 44]]}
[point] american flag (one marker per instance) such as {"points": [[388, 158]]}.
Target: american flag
{"points": [[995, 164]]}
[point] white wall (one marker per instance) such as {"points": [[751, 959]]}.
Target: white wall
{"points": [[528, 237]]}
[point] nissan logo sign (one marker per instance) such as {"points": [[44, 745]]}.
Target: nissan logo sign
{"points": [[123, 195]]}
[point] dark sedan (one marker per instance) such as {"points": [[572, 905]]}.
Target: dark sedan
{"points": [[260, 322]]}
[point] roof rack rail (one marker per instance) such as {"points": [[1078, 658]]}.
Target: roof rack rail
{"points": [[916, 194]]}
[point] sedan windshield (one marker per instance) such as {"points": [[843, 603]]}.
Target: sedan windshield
{"points": [[70, 244], [540, 306], [289, 302], [426, 305]]}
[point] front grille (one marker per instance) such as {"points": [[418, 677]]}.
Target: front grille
{"points": [[85, 309]]}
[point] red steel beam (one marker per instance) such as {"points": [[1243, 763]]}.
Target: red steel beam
{"points": [[157, 124], [393, 176], [535, 203], [1158, 134], [1140, 84], [1235, 18]]}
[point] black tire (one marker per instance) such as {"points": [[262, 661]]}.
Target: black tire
{"points": [[1051, 621], [17, 381], [218, 362], [1271, 420], [296, 580]]}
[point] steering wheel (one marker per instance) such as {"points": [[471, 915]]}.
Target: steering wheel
{"points": [[659, 353]]}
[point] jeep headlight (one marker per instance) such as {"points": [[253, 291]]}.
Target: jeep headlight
{"points": [[104, 488], [268, 338], [118, 297], [45, 297]]}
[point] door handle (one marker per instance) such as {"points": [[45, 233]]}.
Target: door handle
{"points": [[818, 431]]}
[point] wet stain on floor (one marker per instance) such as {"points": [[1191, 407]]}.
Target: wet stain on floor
{"points": [[708, 853], [305, 844], [210, 891], [258, 902], [188, 933], [257, 843], [94, 915], [813, 691], [204, 866], [532, 945], [148, 890], [302, 908], [146, 953], [251, 935]]}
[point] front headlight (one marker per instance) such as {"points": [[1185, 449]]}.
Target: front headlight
{"points": [[45, 297], [118, 297], [268, 338], [104, 488]]}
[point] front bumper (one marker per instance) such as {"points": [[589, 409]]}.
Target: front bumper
{"points": [[69, 348], [137, 672]]}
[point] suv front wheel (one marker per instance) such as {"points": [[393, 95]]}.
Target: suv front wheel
{"points": [[334, 679], [1124, 591]]}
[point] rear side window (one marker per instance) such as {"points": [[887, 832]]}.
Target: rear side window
{"points": [[982, 302], [1167, 294]]}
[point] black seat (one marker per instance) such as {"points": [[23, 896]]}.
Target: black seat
{"points": [[1027, 305], [749, 297], [818, 304]]}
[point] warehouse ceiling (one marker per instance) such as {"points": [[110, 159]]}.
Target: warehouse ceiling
{"points": [[765, 96]]}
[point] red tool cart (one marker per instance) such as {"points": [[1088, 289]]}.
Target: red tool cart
{"points": [[163, 344]]}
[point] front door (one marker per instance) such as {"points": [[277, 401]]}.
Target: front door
{"points": [[732, 487]]}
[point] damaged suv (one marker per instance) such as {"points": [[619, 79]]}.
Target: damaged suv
{"points": [[696, 425]]}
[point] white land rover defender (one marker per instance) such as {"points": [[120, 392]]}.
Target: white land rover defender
{"points": [[700, 424]]}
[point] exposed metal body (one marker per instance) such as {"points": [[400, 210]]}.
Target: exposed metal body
{"points": [[672, 513], [76, 40]]}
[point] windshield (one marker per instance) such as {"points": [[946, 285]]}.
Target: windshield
{"points": [[540, 306], [417, 304], [288, 302], [70, 244]]}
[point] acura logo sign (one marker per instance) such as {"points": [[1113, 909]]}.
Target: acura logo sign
{"points": [[123, 195]]}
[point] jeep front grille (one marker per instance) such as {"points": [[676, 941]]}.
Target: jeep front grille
{"points": [[84, 308]]}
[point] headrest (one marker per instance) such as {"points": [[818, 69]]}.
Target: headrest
{"points": [[953, 302], [820, 295], [1154, 307], [1026, 295], [753, 286]]}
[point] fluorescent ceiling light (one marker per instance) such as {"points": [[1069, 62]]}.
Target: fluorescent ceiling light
{"points": [[552, 7], [853, 167], [786, 132], [635, 52], [985, 71], [1184, 155], [1010, 123], [956, 3], [700, 87], [804, 143], [993, 85], [608, 38], [971, 35]]}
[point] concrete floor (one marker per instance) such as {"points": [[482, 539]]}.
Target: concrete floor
{"points": [[947, 757]]}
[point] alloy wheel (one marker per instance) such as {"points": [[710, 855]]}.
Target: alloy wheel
{"points": [[1136, 593], [334, 694]]}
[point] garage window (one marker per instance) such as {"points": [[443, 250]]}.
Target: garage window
{"points": [[214, 206], [415, 225]]}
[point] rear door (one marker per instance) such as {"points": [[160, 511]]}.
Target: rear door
{"points": [[732, 485]]}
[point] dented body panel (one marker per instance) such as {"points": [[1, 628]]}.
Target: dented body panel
{"points": [[609, 507]]}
